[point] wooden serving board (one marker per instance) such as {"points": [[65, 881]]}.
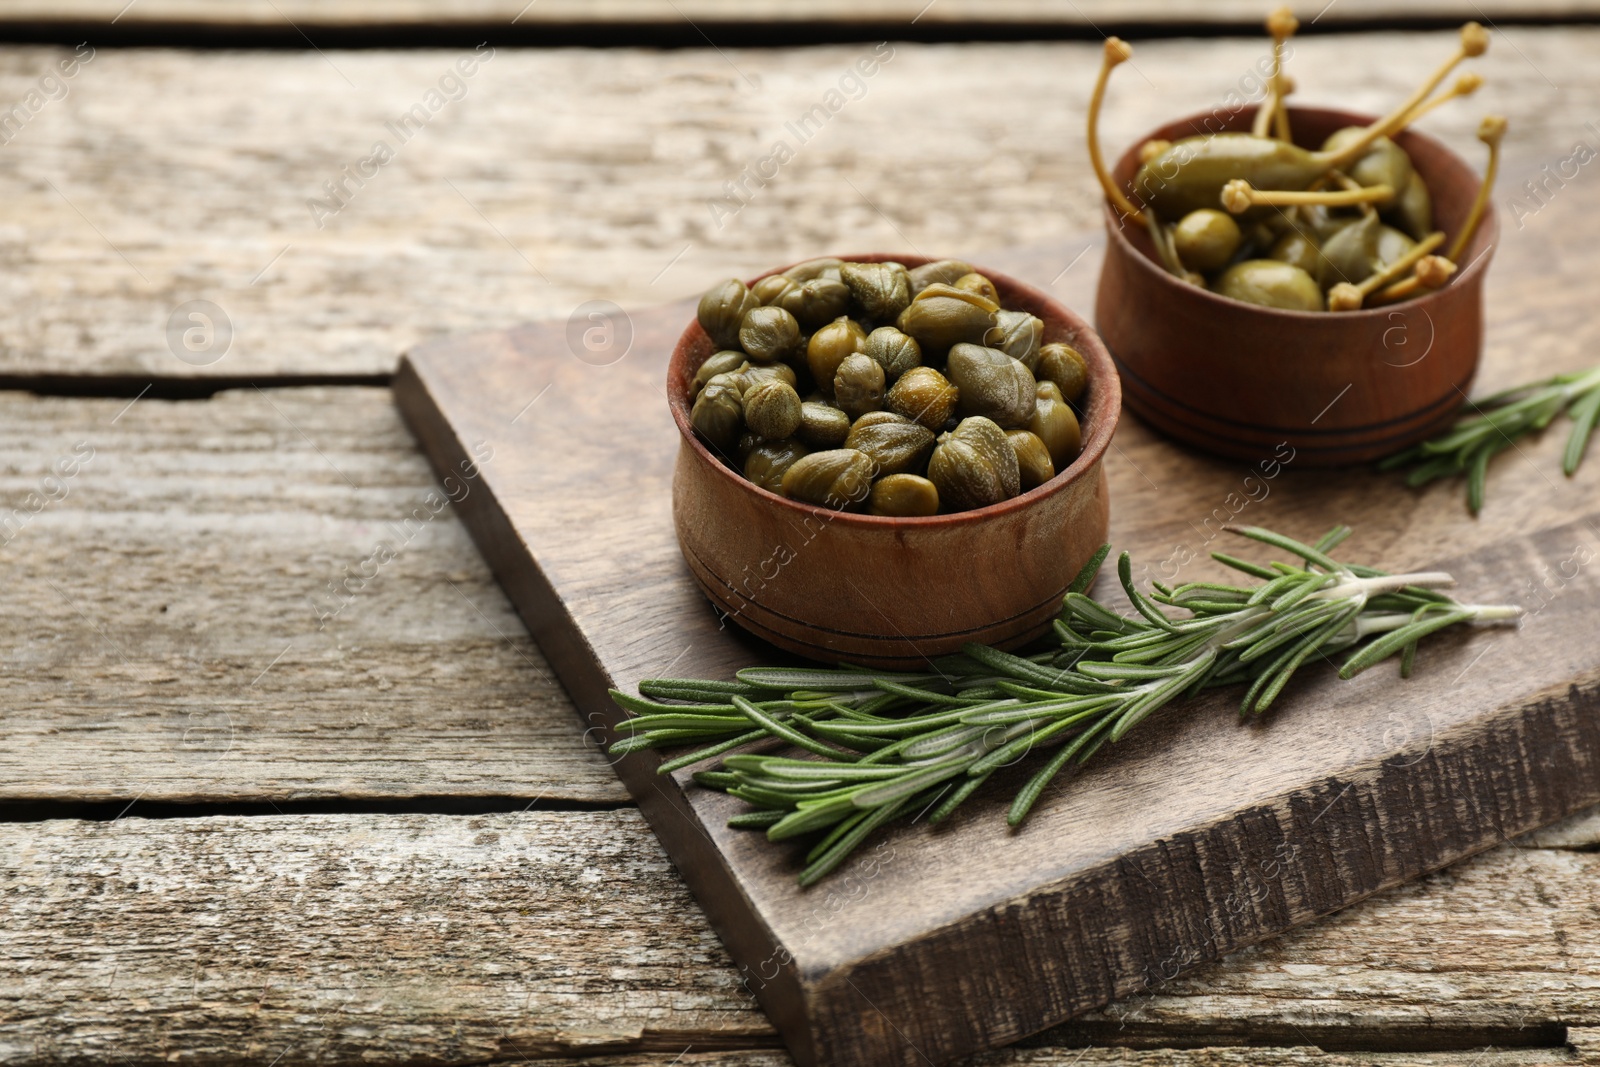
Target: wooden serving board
{"points": [[1195, 836]]}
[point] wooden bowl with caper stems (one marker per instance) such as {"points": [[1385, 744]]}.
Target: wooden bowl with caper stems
{"points": [[1242, 380], [894, 592]]}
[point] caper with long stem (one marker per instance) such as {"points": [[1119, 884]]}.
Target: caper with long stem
{"points": [[1465, 85], [1490, 131], [1347, 297], [1274, 114], [1191, 173], [1239, 196], [1431, 272], [1116, 52]]}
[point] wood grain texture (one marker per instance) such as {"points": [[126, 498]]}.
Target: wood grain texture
{"points": [[456, 940], [1088, 13], [1071, 912], [164, 634], [600, 175]]}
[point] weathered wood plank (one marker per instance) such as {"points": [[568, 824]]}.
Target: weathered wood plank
{"points": [[567, 175], [164, 633], [310, 14], [408, 939]]}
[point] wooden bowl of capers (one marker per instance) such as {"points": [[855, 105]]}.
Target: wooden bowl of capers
{"points": [[1298, 281], [884, 458]]}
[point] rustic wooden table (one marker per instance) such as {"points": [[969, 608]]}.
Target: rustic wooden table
{"points": [[249, 820]]}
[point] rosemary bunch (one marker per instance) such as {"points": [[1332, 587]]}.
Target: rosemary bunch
{"points": [[1492, 425], [873, 746]]}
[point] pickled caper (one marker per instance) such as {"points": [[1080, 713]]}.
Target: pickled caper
{"points": [[770, 288], [750, 374], [1392, 245], [1271, 284], [1299, 250], [1412, 210], [973, 282], [903, 495], [948, 271], [1061, 363], [1054, 423], [1352, 253], [822, 425], [829, 347], [772, 409], [724, 362], [718, 413], [1206, 239], [1384, 163], [858, 385], [722, 311], [992, 385], [768, 461], [924, 395], [1033, 458], [892, 350], [824, 267], [974, 466], [899, 446], [942, 315], [838, 479], [816, 301], [880, 290], [768, 334], [1017, 334]]}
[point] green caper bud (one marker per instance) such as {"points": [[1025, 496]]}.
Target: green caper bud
{"points": [[974, 466], [769, 333], [747, 444], [1033, 458], [1054, 423], [772, 410], [992, 385], [829, 347], [973, 282], [1061, 363], [924, 395], [718, 413], [1299, 250], [825, 266], [942, 315], [1270, 284], [816, 301], [1392, 244], [1206, 239], [1017, 334], [722, 310], [904, 496], [892, 350], [947, 271], [1383, 163], [727, 361], [822, 425], [750, 374], [770, 288], [880, 290], [897, 446], [1352, 252], [1412, 210], [858, 386], [768, 461], [837, 479]]}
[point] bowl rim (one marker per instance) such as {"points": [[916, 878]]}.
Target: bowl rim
{"points": [[1102, 413], [1488, 229]]}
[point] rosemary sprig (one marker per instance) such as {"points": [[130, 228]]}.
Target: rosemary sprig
{"points": [[1493, 424], [874, 746]]}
